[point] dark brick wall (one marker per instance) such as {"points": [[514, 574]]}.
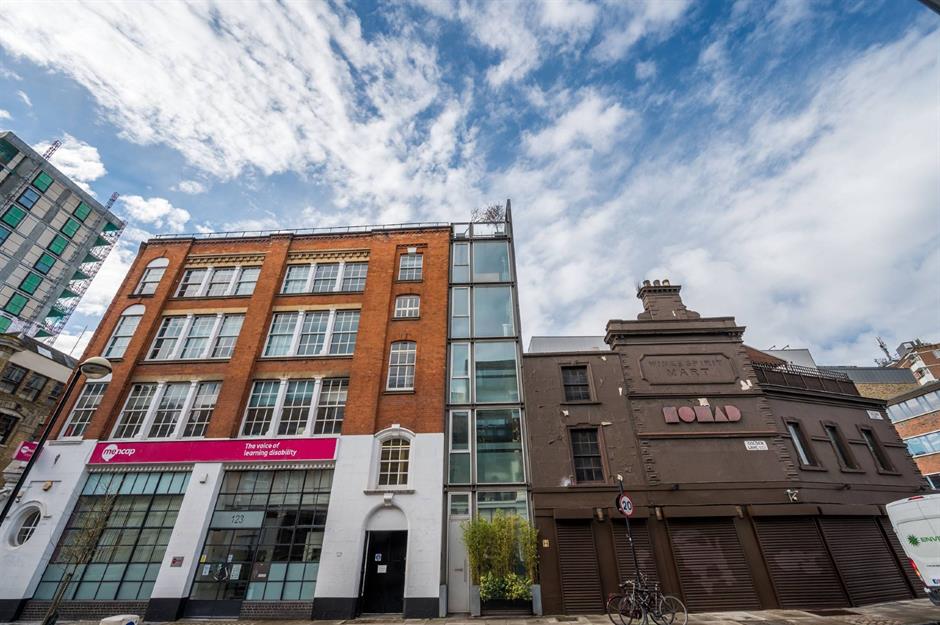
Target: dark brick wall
{"points": [[83, 610], [276, 610]]}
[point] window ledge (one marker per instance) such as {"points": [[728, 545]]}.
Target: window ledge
{"points": [[812, 467], [319, 293], [71, 440], [406, 318], [141, 295], [400, 281], [848, 470], [591, 402], [177, 361], [394, 491], [403, 391], [882, 472], [188, 298], [312, 357]]}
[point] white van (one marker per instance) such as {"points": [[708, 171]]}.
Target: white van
{"points": [[916, 521]]}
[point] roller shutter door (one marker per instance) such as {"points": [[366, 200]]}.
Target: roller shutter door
{"points": [[712, 569], [864, 560], [644, 550], [580, 579], [802, 572], [916, 583]]}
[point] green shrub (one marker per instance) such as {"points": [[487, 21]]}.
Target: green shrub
{"points": [[503, 555], [512, 586]]}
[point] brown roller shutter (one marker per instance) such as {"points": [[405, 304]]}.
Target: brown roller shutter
{"points": [[916, 583], [644, 550], [580, 580], [800, 567], [864, 560], [712, 569]]}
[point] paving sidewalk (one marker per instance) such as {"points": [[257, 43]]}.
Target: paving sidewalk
{"points": [[913, 612]]}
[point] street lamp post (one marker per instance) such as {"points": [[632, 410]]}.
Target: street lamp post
{"points": [[94, 368], [626, 517]]}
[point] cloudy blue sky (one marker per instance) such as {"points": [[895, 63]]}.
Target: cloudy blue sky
{"points": [[781, 160]]}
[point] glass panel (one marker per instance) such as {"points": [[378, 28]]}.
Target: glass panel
{"points": [[498, 446], [491, 261], [495, 372], [507, 502], [460, 468], [460, 313], [461, 265], [493, 311]]}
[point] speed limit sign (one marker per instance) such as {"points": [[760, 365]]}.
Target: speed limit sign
{"points": [[625, 505]]}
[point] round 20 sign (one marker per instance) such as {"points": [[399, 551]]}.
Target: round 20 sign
{"points": [[625, 505]]}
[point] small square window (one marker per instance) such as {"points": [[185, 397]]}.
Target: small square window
{"points": [[58, 244], [13, 216], [43, 181], [30, 283], [16, 304], [70, 227], [28, 198], [410, 267], [45, 263], [82, 211]]}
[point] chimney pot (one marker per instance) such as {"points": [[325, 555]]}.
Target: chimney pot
{"points": [[655, 282], [646, 283], [665, 282]]}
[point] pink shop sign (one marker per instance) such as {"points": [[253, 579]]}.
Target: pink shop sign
{"points": [[220, 450]]}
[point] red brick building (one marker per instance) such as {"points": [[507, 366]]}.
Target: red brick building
{"points": [[916, 417]]}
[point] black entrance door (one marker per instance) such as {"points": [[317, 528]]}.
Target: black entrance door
{"points": [[383, 590]]}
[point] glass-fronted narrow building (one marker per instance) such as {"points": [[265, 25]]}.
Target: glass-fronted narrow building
{"points": [[485, 425]]}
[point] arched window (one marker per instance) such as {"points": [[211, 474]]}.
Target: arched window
{"points": [[123, 331], [152, 275], [393, 462], [401, 366], [407, 307]]}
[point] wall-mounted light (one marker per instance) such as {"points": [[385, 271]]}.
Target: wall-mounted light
{"points": [[793, 495]]}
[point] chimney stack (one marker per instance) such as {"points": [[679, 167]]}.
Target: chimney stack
{"points": [[661, 301]]}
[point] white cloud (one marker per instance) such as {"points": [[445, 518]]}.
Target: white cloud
{"points": [[645, 70], [192, 187], [76, 159], [638, 20], [75, 343], [157, 211], [24, 98], [594, 122], [5, 114]]}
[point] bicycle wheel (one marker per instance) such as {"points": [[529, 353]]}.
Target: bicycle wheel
{"points": [[613, 609], [669, 610], [631, 611]]}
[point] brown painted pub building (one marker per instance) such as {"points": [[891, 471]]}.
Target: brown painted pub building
{"points": [[755, 484]]}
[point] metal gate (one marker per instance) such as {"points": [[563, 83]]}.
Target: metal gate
{"points": [[712, 568], [916, 583], [644, 550], [864, 560], [800, 567], [580, 579]]}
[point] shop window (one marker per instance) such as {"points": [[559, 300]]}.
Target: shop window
{"points": [[11, 378], [28, 199], [491, 261], [411, 267], [13, 216], [407, 307], [124, 331], [586, 452], [44, 263], [16, 304], [576, 382], [58, 244], [877, 450], [29, 521], [803, 451], [82, 211], [152, 276], [499, 446], [7, 426], [296, 407], [42, 181], [509, 502], [495, 372], [401, 366], [30, 283], [459, 464], [493, 311], [33, 386], [839, 446], [460, 373], [394, 459], [274, 553], [137, 511], [84, 408]]}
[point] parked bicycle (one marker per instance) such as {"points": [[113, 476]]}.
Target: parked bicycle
{"points": [[640, 601]]}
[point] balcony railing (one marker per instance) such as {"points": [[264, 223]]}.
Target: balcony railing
{"points": [[796, 376]]}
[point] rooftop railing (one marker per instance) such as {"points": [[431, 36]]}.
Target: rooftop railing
{"points": [[244, 234], [808, 378]]}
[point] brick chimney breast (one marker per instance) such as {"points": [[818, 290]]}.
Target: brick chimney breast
{"points": [[661, 301]]}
